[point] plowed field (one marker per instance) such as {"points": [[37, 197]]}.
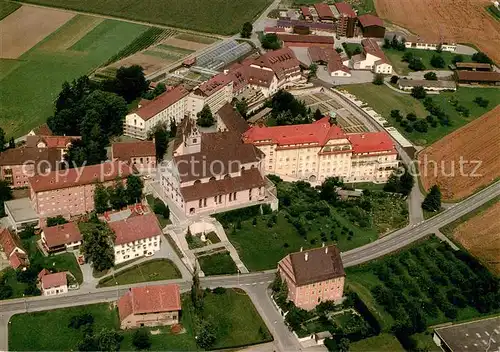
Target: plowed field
{"points": [[465, 21], [464, 160]]}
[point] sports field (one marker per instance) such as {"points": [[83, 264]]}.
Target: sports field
{"points": [[211, 16], [31, 78]]}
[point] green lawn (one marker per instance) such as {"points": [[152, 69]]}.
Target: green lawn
{"points": [[7, 7], [196, 38], [218, 264], [23, 104], [425, 342], [401, 67], [53, 333], [380, 343], [382, 99], [163, 221], [216, 16], [64, 262], [238, 322], [153, 270]]}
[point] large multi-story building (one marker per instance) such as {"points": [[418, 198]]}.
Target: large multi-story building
{"points": [[319, 150], [213, 171], [313, 276], [71, 192], [142, 155], [168, 106], [346, 19], [215, 92], [371, 26], [372, 58]]}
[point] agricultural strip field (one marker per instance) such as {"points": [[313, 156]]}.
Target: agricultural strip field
{"points": [[382, 99], [478, 234], [215, 16], [7, 7], [476, 142], [464, 21], [76, 48]]}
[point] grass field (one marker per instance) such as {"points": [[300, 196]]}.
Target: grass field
{"points": [[53, 333], [24, 104], [196, 38], [380, 343], [401, 67], [382, 99], [216, 16], [218, 264], [153, 270], [7, 7]]}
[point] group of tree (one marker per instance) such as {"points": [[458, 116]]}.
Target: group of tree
{"points": [[246, 30], [57, 220], [378, 79], [98, 244], [418, 92], [401, 181], [410, 122], [287, 110], [270, 41], [394, 43], [5, 195], [351, 50], [482, 58], [205, 117], [437, 61], [150, 94], [432, 201], [241, 105], [3, 141], [431, 76], [160, 208], [437, 114], [118, 195]]}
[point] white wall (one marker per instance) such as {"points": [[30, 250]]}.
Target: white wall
{"points": [[139, 248]]}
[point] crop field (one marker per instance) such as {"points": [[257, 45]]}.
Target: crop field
{"points": [[476, 145], [7, 7], [215, 16], [464, 21], [47, 55]]}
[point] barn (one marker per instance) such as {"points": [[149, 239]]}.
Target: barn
{"points": [[371, 26], [298, 40]]}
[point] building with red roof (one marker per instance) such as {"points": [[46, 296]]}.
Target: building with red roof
{"points": [[136, 236], [53, 284], [331, 59], [372, 58], [157, 305], [371, 26], [319, 150], [215, 92], [324, 12], [61, 237], [142, 155], [299, 40], [346, 19], [11, 245], [60, 143], [306, 13]]}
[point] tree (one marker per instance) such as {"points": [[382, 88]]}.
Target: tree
{"points": [[117, 195], [108, 340], [128, 83], [481, 102], [287, 110], [173, 128], [3, 141], [421, 126], [411, 116], [400, 181], [206, 334], [58, 220], [457, 58], [5, 195], [161, 209], [161, 141], [101, 199], [418, 92], [394, 42], [97, 246], [482, 58], [246, 30], [431, 76], [241, 106], [205, 117], [437, 61], [395, 114], [158, 90], [133, 193], [313, 69], [343, 345], [317, 115], [407, 56], [338, 50], [378, 79], [394, 79], [196, 291], [387, 43], [110, 109], [12, 142], [432, 201], [329, 189], [270, 41], [141, 339], [416, 64]]}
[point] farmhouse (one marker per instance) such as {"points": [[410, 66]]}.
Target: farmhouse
{"points": [[313, 276], [149, 306], [330, 58], [434, 86], [168, 106], [416, 42], [473, 66], [319, 150], [371, 26], [142, 155], [372, 58], [53, 284], [298, 40], [346, 19], [478, 77], [136, 236], [205, 175], [10, 244], [71, 192], [65, 237]]}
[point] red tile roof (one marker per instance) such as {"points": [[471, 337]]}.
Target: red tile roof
{"points": [[345, 9], [161, 102], [42, 130], [214, 84], [282, 61], [18, 260], [50, 141], [135, 228], [274, 30], [478, 76], [305, 11], [80, 176], [324, 11], [54, 280], [125, 151], [42, 274], [9, 242], [149, 299], [370, 46], [371, 142], [370, 20], [329, 56], [299, 38], [62, 234], [39, 156]]}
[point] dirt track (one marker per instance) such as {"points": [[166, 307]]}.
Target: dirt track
{"points": [[479, 236], [465, 21], [477, 141], [27, 26]]}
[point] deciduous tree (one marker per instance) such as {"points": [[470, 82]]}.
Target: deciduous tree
{"points": [[431, 76], [205, 117], [378, 79], [58, 220], [134, 189], [101, 199], [246, 30], [5, 195], [432, 201], [97, 246], [418, 92], [437, 61], [141, 339]]}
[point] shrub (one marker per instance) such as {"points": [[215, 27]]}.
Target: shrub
{"points": [[430, 76], [378, 79], [394, 79], [411, 116], [437, 61], [141, 339], [219, 290], [418, 92]]}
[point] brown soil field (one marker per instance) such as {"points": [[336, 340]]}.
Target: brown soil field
{"points": [[477, 141], [480, 236], [465, 21], [27, 26], [184, 44], [149, 63]]}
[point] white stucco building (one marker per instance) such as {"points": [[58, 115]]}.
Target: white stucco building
{"points": [[416, 42], [372, 58], [53, 284]]}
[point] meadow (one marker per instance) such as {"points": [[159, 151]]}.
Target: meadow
{"points": [[215, 16], [30, 84]]}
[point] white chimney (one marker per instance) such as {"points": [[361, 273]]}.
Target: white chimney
{"points": [[326, 249], [306, 256], [301, 249]]}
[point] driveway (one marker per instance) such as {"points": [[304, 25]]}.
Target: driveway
{"points": [[357, 76], [439, 74], [465, 50]]}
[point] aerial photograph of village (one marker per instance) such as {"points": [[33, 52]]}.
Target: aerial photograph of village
{"points": [[250, 175]]}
